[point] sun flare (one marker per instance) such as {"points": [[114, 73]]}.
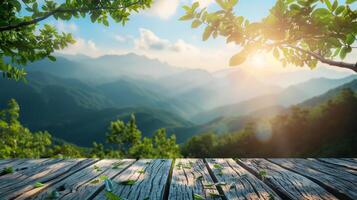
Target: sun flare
{"points": [[259, 60]]}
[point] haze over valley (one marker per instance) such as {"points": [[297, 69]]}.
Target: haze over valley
{"points": [[76, 97]]}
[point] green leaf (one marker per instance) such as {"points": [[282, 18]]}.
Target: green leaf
{"points": [[96, 168], [38, 185], [350, 1], [186, 17], [350, 38], [321, 13], [263, 173], [337, 51], [198, 197], [95, 181], [106, 23], [237, 59], [196, 23], [334, 5], [7, 170], [128, 182], [339, 10], [195, 5], [217, 166], [207, 33], [294, 7], [103, 177], [328, 4], [52, 58], [112, 196]]}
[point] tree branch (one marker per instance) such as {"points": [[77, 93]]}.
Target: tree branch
{"points": [[327, 61], [59, 10]]}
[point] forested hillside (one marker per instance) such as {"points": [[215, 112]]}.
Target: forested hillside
{"points": [[324, 130], [65, 98]]}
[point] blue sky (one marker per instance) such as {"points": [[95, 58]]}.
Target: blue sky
{"points": [[160, 23], [157, 33]]}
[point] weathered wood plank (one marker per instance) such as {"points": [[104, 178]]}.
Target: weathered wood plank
{"points": [[12, 163], [342, 162], [4, 161], [336, 179], [145, 179], [24, 164], [190, 177], [286, 182], [238, 183], [19, 182], [21, 176], [83, 184]]}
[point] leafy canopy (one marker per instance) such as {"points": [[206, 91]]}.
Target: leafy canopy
{"points": [[298, 32], [131, 144], [16, 140], [23, 40]]}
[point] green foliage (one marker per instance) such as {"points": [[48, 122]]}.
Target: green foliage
{"points": [[203, 145], [325, 130], [124, 135], [65, 151], [16, 140], [297, 32], [158, 147], [165, 147], [131, 144], [24, 41], [7, 170], [19, 142]]}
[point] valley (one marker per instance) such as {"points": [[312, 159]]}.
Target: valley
{"points": [[76, 97]]}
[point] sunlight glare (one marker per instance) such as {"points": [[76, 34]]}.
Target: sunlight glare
{"points": [[259, 60]]}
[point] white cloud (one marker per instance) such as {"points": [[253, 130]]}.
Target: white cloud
{"points": [[119, 38], [82, 46], [149, 41], [164, 8], [62, 26], [181, 46]]}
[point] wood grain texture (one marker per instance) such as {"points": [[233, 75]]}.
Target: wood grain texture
{"points": [[190, 177], [86, 182], [238, 183], [149, 180], [286, 182], [349, 163], [13, 163], [334, 178], [15, 184]]}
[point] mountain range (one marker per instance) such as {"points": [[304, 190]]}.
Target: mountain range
{"points": [[76, 97]]}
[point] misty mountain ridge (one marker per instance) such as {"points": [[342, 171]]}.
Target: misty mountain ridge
{"points": [[79, 95]]}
